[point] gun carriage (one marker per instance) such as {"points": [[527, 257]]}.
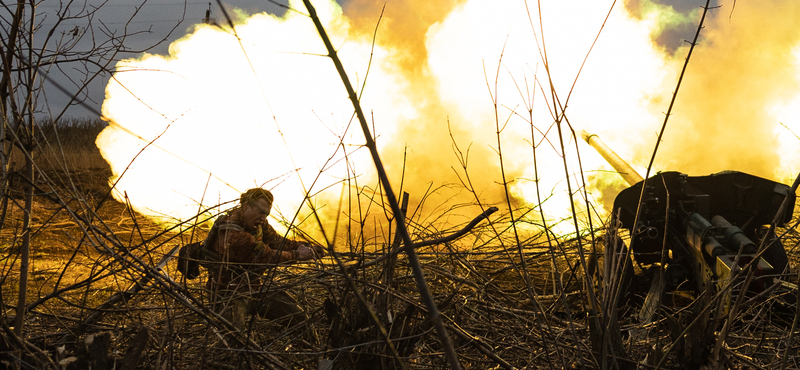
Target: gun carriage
{"points": [[708, 226]]}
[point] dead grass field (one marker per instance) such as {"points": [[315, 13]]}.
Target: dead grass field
{"points": [[88, 249]]}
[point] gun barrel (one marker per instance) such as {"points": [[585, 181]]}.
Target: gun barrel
{"points": [[623, 168]]}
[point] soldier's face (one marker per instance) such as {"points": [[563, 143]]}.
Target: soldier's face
{"points": [[256, 213]]}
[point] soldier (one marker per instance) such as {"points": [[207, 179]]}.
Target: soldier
{"points": [[238, 250]]}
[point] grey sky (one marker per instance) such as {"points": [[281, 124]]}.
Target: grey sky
{"points": [[147, 23]]}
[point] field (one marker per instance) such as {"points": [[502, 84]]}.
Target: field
{"points": [[98, 296], [87, 282]]}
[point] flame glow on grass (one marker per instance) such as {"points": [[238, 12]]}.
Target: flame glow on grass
{"points": [[268, 108]]}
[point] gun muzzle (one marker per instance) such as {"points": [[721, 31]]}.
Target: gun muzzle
{"points": [[623, 168]]}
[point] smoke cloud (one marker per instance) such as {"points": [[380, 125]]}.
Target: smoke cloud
{"points": [[676, 20], [726, 115], [439, 85]]}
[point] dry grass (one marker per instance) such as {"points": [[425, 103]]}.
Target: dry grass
{"points": [[68, 145], [85, 251]]}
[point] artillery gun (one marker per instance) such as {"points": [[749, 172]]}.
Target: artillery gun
{"points": [[706, 226]]}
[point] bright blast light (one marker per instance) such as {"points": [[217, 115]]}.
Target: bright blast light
{"points": [[265, 107]]}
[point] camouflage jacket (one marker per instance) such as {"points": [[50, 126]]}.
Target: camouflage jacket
{"points": [[239, 256]]}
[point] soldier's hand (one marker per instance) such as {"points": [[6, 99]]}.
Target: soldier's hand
{"points": [[304, 253]]}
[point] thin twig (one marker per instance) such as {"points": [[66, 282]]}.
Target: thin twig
{"points": [[433, 312]]}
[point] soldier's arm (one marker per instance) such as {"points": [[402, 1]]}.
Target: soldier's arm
{"points": [[277, 241], [241, 247]]}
